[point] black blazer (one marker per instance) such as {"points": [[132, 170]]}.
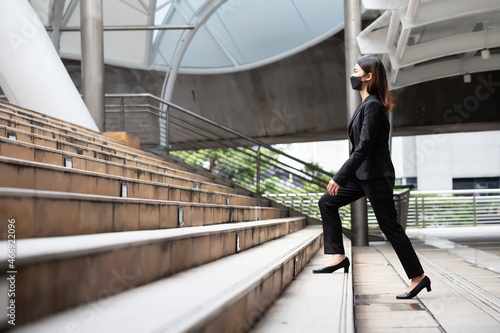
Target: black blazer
{"points": [[368, 132]]}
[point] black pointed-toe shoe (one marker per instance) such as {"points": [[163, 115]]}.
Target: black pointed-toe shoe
{"points": [[425, 283], [330, 269]]}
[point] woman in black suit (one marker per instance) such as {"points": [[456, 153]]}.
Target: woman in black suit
{"points": [[369, 171]]}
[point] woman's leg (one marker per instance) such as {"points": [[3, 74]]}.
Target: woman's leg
{"points": [[380, 193], [329, 207]]}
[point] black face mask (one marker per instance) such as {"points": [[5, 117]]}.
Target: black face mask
{"points": [[356, 82]]}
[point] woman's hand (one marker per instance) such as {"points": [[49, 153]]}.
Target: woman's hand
{"points": [[333, 187]]}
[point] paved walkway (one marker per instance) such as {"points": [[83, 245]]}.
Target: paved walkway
{"points": [[464, 267]]}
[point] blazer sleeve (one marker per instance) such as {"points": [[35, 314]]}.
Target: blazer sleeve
{"points": [[373, 117]]}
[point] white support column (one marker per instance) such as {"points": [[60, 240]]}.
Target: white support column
{"points": [[31, 73]]}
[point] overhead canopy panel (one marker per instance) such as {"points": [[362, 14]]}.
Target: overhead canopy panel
{"points": [[419, 40], [236, 35]]}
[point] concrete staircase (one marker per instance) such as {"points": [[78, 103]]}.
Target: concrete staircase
{"points": [[111, 238]]}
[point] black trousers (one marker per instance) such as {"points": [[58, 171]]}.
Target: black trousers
{"points": [[380, 193]]}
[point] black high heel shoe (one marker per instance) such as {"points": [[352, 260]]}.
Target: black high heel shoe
{"points": [[330, 269], [425, 283]]}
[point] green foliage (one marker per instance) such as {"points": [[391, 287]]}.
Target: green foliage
{"points": [[240, 166], [324, 177]]}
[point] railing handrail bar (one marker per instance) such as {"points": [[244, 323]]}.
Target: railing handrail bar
{"points": [[279, 165], [412, 193], [216, 139], [195, 115], [456, 191], [313, 180]]}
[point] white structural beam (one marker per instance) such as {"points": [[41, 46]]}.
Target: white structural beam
{"points": [[392, 30], [447, 46], [200, 17], [31, 73], [411, 12], [380, 22], [445, 68], [375, 42], [403, 41], [444, 10], [384, 4], [437, 38]]}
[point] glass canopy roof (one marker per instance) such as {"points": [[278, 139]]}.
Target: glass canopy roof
{"points": [[418, 40], [227, 35]]}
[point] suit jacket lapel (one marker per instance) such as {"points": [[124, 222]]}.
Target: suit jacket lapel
{"points": [[356, 113]]}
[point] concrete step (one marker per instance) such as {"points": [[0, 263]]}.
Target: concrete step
{"points": [[58, 273], [84, 142], [227, 295], [103, 163], [313, 302], [46, 129], [32, 121], [51, 214], [39, 176], [68, 144], [32, 128]]}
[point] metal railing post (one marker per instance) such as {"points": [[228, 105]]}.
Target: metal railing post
{"points": [[258, 171], [122, 114], [423, 212], [167, 130], [474, 208], [416, 211]]}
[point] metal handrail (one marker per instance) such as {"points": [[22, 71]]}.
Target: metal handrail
{"points": [[268, 174], [213, 123], [481, 206], [191, 138], [425, 208]]}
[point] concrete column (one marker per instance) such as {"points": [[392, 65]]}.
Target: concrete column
{"points": [[352, 28], [92, 41]]}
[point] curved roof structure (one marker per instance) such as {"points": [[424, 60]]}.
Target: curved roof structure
{"points": [[426, 40], [221, 35], [419, 40]]}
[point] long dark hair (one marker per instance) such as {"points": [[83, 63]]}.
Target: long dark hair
{"points": [[378, 84]]}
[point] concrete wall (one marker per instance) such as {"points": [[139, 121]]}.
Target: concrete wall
{"points": [[449, 105], [302, 98]]}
